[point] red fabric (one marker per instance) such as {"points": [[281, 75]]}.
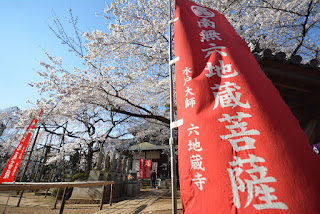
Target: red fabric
{"points": [[142, 171], [9, 172], [240, 148], [148, 168]]}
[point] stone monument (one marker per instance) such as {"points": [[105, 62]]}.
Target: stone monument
{"points": [[110, 172]]}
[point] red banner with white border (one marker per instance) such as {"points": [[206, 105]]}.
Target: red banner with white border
{"points": [[148, 168], [240, 149], [10, 170], [142, 170]]}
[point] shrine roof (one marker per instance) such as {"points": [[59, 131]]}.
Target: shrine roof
{"points": [[147, 146]]}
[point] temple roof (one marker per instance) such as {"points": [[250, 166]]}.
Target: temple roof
{"points": [[147, 146], [297, 82]]}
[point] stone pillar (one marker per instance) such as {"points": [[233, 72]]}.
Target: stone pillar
{"points": [[113, 163], [100, 158], [119, 164], [107, 162], [75, 160], [124, 163], [128, 165]]}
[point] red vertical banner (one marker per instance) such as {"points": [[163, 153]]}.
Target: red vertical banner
{"points": [[148, 168], [10, 170], [142, 170], [154, 167], [240, 149]]}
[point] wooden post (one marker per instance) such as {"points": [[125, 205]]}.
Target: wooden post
{"points": [[102, 197], [30, 154], [26, 166], [20, 197], [44, 161], [110, 203], [5, 207], [45, 195], [39, 162], [51, 176], [63, 202], [64, 161], [57, 196]]}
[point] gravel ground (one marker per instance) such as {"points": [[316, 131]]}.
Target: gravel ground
{"points": [[163, 205], [31, 204], [46, 210]]}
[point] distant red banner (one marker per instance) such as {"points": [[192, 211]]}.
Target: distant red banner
{"points": [[142, 170], [240, 148], [9, 172], [154, 167], [148, 168]]}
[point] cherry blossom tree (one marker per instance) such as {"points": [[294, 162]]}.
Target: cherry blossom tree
{"points": [[2, 128], [81, 128], [111, 89], [9, 130], [125, 66], [123, 80], [288, 26], [10, 133]]}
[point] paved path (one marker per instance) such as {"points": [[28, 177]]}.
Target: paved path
{"points": [[135, 204]]}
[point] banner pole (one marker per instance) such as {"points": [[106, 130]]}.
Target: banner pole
{"points": [[26, 166], [5, 207], [30, 154], [171, 140]]}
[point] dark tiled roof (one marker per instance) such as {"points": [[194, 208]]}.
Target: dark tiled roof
{"points": [[281, 56]]}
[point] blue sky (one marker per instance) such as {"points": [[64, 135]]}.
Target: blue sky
{"points": [[25, 34]]}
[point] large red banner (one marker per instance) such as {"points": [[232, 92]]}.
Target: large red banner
{"points": [[142, 170], [240, 149], [9, 172], [148, 168]]}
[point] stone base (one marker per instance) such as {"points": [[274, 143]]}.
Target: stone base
{"points": [[83, 201], [101, 175], [88, 195], [163, 184], [133, 189]]}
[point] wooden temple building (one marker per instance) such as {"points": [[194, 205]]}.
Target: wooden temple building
{"points": [[299, 86], [158, 154]]}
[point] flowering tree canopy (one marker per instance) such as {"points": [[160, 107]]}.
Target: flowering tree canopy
{"points": [[9, 131], [123, 80]]}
